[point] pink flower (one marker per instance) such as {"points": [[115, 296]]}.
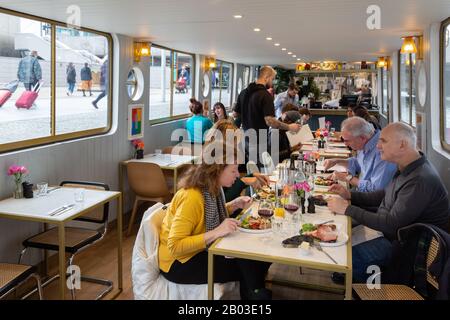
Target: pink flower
{"points": [[306, 156], [328, 123], [17, 171], [302, 186]]}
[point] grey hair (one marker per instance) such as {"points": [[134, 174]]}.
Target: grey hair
{"points": [[404, 132], [358, 127]]}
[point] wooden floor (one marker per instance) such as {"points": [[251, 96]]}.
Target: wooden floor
{"points": [[101, 261]]}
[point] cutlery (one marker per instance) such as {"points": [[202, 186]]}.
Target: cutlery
{"points": [[322, 223], [319, 248], [58, 210], [69, 207], [53, 189]]}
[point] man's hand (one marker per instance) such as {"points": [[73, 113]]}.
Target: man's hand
{"points": [[294, 127], [337, 205], [329, 163], [297, 147], [339, 176], [340, 190], [261, 181]]}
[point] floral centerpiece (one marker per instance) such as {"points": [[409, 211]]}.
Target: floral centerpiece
{"points": [[18, 172], [138, 145], [321, 132], [328, 125], [301, 188]]}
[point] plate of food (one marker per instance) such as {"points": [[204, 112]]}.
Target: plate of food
{"points": [[251, 224], [328, 234], [266, 193], [324, 181]]}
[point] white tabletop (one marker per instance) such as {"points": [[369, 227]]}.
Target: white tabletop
{"points": [[166, 160], [259, 244], [39, 208]]}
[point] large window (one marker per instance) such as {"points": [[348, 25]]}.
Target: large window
{"points": [[445, 84], [407, 71], [171, 84], [221, 83], [44, 69]]}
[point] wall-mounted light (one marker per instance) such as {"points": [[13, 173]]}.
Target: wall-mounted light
{"points": [[210, 63], [141, 49], [382, 62], [412, 44]]}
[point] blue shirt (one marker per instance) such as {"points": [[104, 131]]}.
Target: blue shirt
{"points": [[283, 99], [374, 173], [196, 126]]}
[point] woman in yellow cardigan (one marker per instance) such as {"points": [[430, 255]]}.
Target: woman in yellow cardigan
{"points": [[196, 217]]}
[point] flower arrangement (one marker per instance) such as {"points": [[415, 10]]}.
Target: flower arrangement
{"points": [[18, 172], [301, 188], [328, 125], [321, 133], [138, 145]]}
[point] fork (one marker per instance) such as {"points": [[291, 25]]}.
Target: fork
{"points": [[62, 209], [319, 248]]}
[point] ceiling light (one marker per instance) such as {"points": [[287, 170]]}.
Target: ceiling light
{"points": [[298, 59], [237, 16], [289, 52], [283, 49], [269, 38], [257, 29], [276, 44], [294, 56]]}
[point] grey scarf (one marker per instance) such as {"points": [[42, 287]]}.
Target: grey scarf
{"points": [[215, 210]]}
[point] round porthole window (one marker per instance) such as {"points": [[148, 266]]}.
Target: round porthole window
{"points": [[205, 85], [135, 84]]}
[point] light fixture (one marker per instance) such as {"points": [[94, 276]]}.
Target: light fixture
{"points": [[210, 63], [283, 49], [381, 63], [237, 16], [298, 59], [257, 29], [268, 38], [141, 49], [289, 52], [410, 46], [294, 56], [276, 44]]}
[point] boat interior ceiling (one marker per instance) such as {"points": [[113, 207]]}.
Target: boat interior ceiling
{"points": [[114, 170]]}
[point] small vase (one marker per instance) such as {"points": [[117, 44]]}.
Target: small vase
{"points": [[139, 154], [18, 191]]}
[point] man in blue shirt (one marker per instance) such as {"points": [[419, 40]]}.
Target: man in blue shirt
{"points": [[374, 173], [289, 96]]}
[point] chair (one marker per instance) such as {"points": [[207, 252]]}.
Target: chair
{"points": [[404, 292], [267, 162], [148, 283], [252, 167], [13, 275], [77, 238], [148, 183]]}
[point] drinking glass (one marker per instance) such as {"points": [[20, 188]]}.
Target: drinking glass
{"points": [[158, 152], [79, 195], [42, 189], [265, 208]]}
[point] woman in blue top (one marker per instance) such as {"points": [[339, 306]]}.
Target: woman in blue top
{"points": [[198, 124]]}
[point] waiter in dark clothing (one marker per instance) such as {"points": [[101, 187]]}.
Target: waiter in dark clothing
{"points": [[256, 110], [416, 194]]}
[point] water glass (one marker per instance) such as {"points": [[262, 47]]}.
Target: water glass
{"points": [[42, 189], [79, 195], [158, 152], [277, 227]]}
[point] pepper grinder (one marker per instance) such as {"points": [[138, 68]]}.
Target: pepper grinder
{"points": [[27, 190], [311, 206]]}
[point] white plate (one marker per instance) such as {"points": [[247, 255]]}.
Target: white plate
{"points": [[341, 240], [257, 231]]}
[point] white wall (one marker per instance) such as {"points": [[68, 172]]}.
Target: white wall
{"points": [[94, 159]]}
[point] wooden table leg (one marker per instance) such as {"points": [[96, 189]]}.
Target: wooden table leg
{"points": [[210, 276], [122, 203], [175, 177], [348, 285], [119, 242], [62, 260]]}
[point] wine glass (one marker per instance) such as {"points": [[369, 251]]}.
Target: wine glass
{"points": [[265, 208], [292, 205]]}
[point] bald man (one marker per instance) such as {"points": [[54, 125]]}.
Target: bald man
{"points": [[416, 194], [256, 110]]}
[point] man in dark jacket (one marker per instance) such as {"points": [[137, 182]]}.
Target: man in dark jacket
{"points": [[256, 110], [416, 194], [71, 78], [86, 80]]}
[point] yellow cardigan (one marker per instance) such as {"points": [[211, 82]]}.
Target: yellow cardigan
{"points": [[182, 233]]}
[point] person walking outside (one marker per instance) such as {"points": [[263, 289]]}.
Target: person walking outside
{"points": [[103, 83], [86, 80], [71, 75], [29, 71]]}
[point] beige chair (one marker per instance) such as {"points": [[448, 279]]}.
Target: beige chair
{"points": [[13, 275], [148, 183]]}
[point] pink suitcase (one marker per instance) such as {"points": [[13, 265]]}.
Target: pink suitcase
{"points": [[27, 98], [4, 96]]}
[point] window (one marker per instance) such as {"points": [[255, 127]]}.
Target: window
{"points": [[445, 84], [171, 84], [221, 83], [407, 71], [34, 56], [385, 87]]}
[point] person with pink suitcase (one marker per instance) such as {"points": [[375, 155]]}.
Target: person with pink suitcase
{"points": [[7, 90]]}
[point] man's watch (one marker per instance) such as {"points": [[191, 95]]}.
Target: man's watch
{"points": [[349, 177]]}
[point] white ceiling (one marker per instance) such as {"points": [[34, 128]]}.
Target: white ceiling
{"points": [[312, 29]]}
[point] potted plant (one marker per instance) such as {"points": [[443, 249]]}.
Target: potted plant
{"points": [[138, 145]]}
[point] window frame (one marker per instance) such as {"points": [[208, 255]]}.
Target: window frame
{"points": [[385, 71], [410, 88], [172, 84], [444, 143], [230, 82], [53, 137]]}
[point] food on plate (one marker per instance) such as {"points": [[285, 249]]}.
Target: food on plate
{"points": [[321, 181], [295, 241], [266, 193], [255, 223], [319, 200], [322, 232]]}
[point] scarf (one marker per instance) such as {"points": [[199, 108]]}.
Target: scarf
{"points": [[215, 211]]}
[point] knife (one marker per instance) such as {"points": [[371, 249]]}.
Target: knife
{"points": [[58, 210]]}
